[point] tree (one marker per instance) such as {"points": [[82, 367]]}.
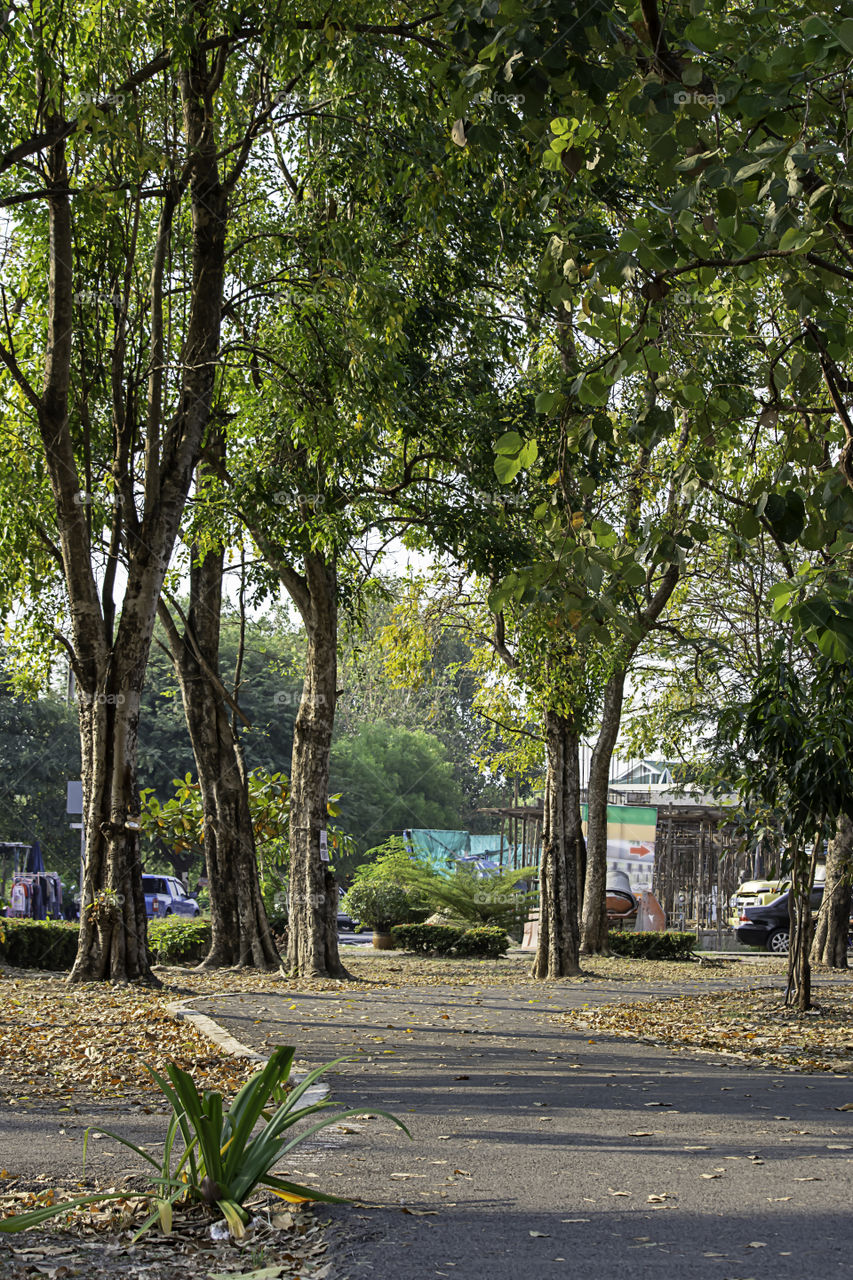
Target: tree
{"points": [[391, 779], [786, 748], [832, 929], [269, 687], [358, 388], [125, 190], [240, 933]]}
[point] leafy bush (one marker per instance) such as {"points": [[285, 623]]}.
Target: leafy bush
{"points": [[177, 941], [377, 903], [226, 1157], [465, 895], [652, 946], [428, 939], [39, 944], [485, 941]]}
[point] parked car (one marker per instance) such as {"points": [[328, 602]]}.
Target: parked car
{"points": [[768, 925], [166, 896], [759, 893], [346, 924]]}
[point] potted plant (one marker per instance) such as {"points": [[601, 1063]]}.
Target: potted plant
{"points": [[380, 904]]}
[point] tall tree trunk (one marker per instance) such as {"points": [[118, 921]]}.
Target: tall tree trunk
{"points": [[801, 927], [110, 664], [594, 919], [113, 924], [562, 835], [313, 895], [240, 931], [833, 921]]}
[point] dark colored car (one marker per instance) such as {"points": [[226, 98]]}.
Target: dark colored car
{"points": [[346, 924], [768, 925]]}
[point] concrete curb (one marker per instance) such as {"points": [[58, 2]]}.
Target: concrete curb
{"points": [[182, 1011]]}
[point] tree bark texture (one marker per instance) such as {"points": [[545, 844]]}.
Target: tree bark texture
{"points": [[594, 918], [562, 835], [239, 927], [801, 926], [313, 897], [833, 922]]}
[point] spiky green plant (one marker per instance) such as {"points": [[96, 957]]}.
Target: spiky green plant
{"points": [[224, 1160]]}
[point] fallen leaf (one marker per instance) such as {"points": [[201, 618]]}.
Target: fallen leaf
{"points": [[540, 1235], [265, 1273]]}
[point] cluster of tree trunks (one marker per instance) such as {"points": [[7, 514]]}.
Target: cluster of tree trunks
{"points": [[240, 934]]}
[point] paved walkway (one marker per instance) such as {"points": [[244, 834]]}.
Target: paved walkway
{"points": [[540, 1150]]}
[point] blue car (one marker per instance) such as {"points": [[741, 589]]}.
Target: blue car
{"points": [[166, 896]]}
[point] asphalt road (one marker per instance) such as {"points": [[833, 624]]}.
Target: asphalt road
{"points": [[542, 1151]]}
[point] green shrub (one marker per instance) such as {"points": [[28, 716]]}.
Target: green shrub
{"points": [[427, 939], [377, 903], [39, 944], [652, 946], [177, 941], [486, 941]]}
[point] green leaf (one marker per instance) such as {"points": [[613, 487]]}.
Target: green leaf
{"points": [[506, 469], [545, 402], [510, 442], [844, 35], [750, 170]]}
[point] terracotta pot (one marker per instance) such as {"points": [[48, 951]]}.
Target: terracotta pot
{"points": [[383, 941]]}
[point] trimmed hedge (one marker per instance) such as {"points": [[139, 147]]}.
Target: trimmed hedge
{"points": [[52, 944], [39, 944], [483, 941], [427, 939], [177, 941], [652, 946]]}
